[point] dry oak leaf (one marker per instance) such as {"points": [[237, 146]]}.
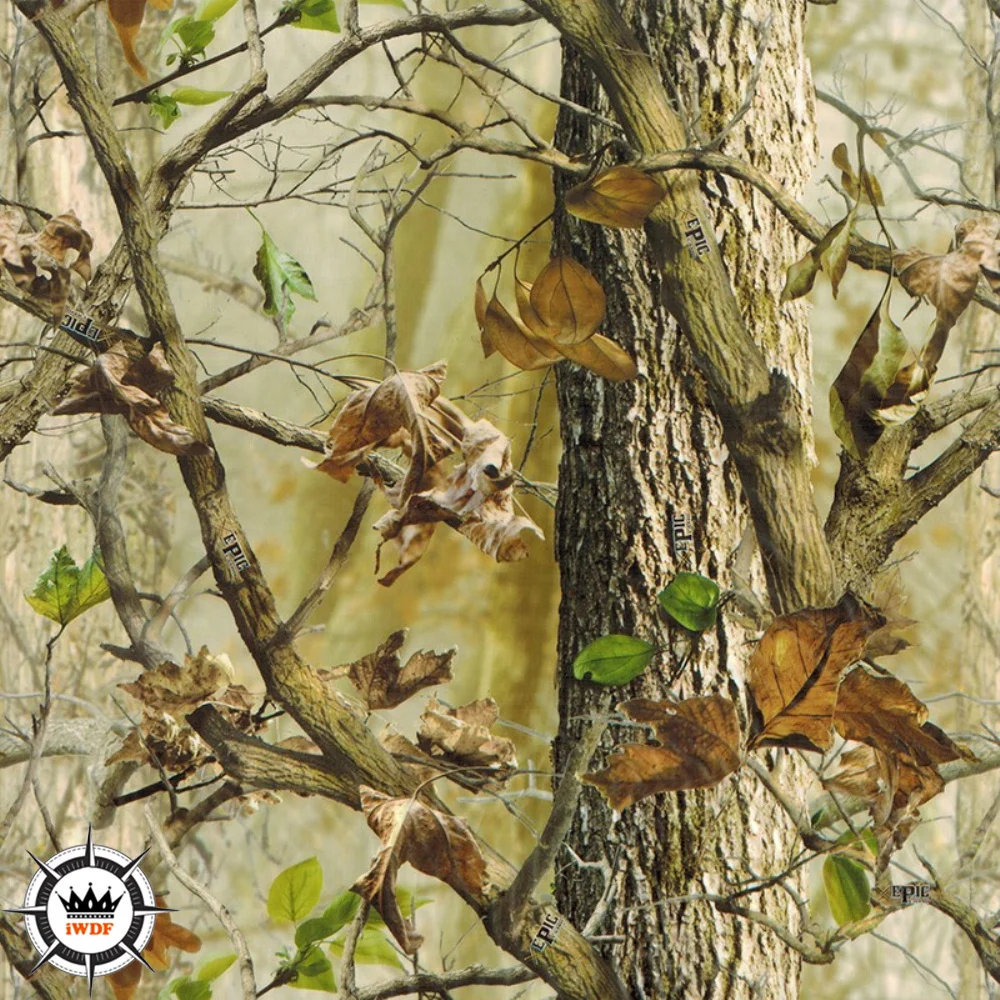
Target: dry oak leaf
{"points": [[126, 16], [621, 197], [795, 672], [176, 689], [883, 712], [477, 500], [166, 935], [402, 411], [462, 735], [384, 682], [948, 281], [119, 383], [435, 843], [699, 746], [41, 263]]}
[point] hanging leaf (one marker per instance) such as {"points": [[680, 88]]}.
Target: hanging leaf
{"points": [[295, 892], [699, 746], [847, 888], [164, 107], [499, 331], [212, 969], [613, 659], [281, 276], [795, 672], [829, 255], [621, 197], [435, 843], [568, 301], [317, 15], [126, 16], [197, 96], [881, 383], [692, 600], [65, 591], [848, 179], [212, 10]]}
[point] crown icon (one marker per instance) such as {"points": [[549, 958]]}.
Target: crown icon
{"points": [[89, 905]]}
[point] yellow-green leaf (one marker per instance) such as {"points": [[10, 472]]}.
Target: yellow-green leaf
{"points": [[295, 892], [847, 888], [64, 591], [195, 95]]}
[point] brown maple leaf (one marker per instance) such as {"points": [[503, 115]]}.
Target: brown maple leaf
{"points": [[699, 746], [795, 672], [435, 843], [119, 383], [384, 682]]}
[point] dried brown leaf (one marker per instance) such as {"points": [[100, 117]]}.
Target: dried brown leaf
{"points": [[462, 735], [699, 737], [177, 689], [796, 670], [499, 331], [435, 843], [621, 197], [382, 680], [568, 301]]}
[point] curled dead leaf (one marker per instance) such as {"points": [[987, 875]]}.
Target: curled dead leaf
{"points": [[699, 746], [499, 331], [796, 670], [120, 383], [621, 197], [383, 681], [568, 301], [462, 735], [127, 17], [435, 843]]}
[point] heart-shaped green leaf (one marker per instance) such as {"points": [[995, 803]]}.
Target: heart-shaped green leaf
{"points": [[692, 600]]}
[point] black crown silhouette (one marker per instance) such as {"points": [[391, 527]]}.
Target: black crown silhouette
{"points": [[89, 905]]}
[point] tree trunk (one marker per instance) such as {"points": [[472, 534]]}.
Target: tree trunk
{"points": [[650, 451]]}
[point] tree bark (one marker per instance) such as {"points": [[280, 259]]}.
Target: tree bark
{"points": [[653, 450]]}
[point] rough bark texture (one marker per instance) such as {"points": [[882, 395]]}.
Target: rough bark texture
{"points": [[652, 449]]}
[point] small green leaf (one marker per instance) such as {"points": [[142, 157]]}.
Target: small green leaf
{"points": [[212, 10], [195, 35], [692, 600], [318, 15], [295, 892], [64, 591], [164, 107], [193, 989], [613, 659], [168, 991], [847, 888], [280, 275], [373, 949], [341, 911], [315, 929], [195, 95], [214, 967], [315, 972]]}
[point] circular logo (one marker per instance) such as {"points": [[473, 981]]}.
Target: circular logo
{"points": [[89, 910]]}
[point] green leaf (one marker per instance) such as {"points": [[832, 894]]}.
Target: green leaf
{"points": [[373, 949], [341, 911], [295, 892], [318, 15], [163, 107], [692, 600], [280, 275], [212, 10], [195, 95], [847, 888], [315, 972], [192, 34], [613, 659], [829, 255], [315, 929], [193, 989], [862, 840], [168, 991], [214, 967], [64, 591]]}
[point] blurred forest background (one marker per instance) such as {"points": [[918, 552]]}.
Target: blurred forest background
{"points": [[904, 60]]}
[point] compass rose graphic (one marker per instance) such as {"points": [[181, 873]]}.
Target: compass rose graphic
{"points": [[89, 910]]}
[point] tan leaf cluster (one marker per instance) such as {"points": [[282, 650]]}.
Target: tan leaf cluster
{"points": [[949, 281], [133, 387], [559, 316], [384, 682], [127, 17], [621, 198], [699, 745], [795, 672], [166, 935], [167, 695], [476, 499], [461, 736], [42, 264], [435, 843]]}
